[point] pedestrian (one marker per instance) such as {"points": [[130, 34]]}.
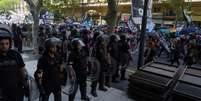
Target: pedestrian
{"points": [[151, 50], [41, 37], [19, 39], [176, 52], [12, 70], [190, 56], [51, 70], [78, 60]]}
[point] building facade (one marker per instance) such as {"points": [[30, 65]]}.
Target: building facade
{"points": [[163, 14]]}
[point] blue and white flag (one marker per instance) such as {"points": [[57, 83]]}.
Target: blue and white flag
{"points": [[132, 26]]}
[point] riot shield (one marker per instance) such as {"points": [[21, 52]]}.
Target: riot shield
{"points": [[94, 69], [32, 90], [113, 66], [71, 82]]}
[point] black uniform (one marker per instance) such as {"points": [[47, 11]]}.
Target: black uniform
{"points": [[78, 59], [124, 56], [51, 81], [11, 86], [101, 55], [114, 53]]}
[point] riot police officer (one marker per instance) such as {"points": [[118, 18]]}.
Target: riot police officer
{"points": [[78, 60], [50, 67], [12, 71], [114, 54], [101, 53], [124, 54]]}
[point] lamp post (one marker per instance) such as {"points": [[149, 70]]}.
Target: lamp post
{"points": [[142, 36]]}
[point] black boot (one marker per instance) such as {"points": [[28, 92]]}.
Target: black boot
{"points": [[114, 79], [108, 81], [108, 85], [83, 91], [93, 92], [123, 73], [85, 98], [103, 89]]}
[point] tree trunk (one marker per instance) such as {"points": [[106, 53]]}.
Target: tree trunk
{"points": [[111, 16], [35, 30], [35, 11]]}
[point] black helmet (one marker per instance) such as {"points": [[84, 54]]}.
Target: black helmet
{"points": [[52, 42], [5, 34], [103, 38], [113, 38], [123, 37], [77, 41]]}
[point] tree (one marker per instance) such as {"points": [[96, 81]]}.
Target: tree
{"points": [[177, 5], [64, 7], [35, 8], [8, 4], [111, 16]]}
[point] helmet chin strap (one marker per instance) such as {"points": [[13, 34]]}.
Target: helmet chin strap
{"points": [[51, 54], [4, 53]]}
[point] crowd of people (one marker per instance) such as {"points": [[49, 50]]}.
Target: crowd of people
{"points": [[90, 52], [79, 47], [183, 49]]}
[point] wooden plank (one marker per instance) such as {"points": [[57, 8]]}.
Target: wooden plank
{"points": [[148, 86], [164, 66], [187, 90], [191, 79], [144, 95], [195, 72], [196, 67], [159, 71], [164, 81]]}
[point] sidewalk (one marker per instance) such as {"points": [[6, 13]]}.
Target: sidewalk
{"points": [[111, 95]]}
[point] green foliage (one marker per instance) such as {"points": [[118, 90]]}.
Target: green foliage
{"points": [[61, 7], [177, 5], [8, 4]]}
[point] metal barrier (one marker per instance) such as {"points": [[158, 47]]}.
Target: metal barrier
{"points": [[188, 88], [153, 82]]}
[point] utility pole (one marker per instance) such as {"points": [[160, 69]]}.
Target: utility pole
{"points": [[142, 35]]}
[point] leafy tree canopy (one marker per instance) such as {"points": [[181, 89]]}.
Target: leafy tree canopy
{"points": [[8, 4], [61, 8]]}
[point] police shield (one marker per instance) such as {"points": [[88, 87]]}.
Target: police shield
{"points": [[114, 66], [71, 82], [32, 90], [94, 69]]}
